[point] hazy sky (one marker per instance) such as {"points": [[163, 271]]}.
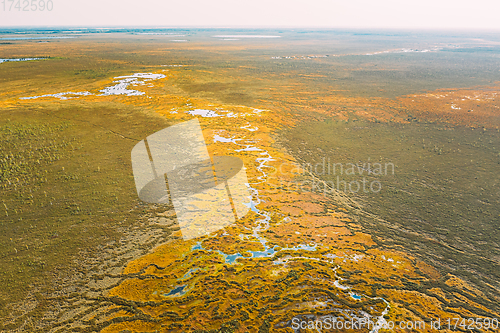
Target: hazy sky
{"points": [[447, 14]]}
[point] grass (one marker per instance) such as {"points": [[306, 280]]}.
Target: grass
{"points": [[442, 201], [66, 178], [66, 185]]}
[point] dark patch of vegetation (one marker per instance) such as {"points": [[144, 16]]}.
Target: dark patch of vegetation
{"points": [[441, 203], [67, 185]]}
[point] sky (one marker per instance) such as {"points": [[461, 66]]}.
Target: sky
{"points": [[397, 14]]}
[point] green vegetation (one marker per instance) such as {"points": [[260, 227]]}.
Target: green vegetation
{"points": [[67, 186], [67, 190], [441, 203]]}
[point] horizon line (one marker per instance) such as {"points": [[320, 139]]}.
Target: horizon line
{"points": [[259, 27]]}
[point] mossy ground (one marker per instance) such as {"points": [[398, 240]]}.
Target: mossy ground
{"points": [[67, 186]]}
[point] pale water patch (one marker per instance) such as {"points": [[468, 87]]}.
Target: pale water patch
{"points": [[188, 274], [404, 51], [218, 112], [35, 38], [246, 36], [145, 76], [249, 128], [387, 259], [231, 115], [338, 285], [248, 148], [230, 258], [121, 88], [303, 247], [169, 34], [177, 291], [356, 257], [62, 96], [20, 59], [204, 113], [356, 297], [218, 138]]}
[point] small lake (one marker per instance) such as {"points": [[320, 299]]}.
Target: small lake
{"points": [[20, 59]]}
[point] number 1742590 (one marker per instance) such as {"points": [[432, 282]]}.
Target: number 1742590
{"points": [[27, 5]]}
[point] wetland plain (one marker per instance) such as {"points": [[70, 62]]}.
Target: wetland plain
{"points": [[80, 252]]}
